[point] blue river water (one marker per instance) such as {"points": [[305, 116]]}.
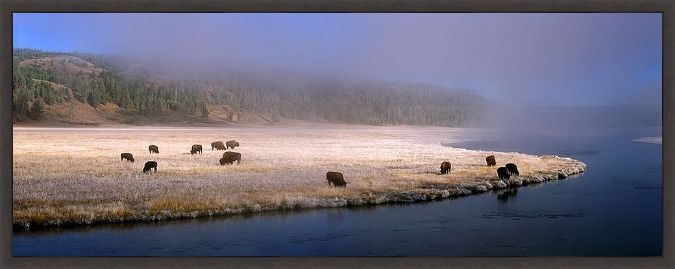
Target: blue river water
{"points": [[614, 209]]}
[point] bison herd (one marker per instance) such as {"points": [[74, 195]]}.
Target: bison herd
{"points": [[510, 169], [228, 157], [219, 145], [505, 172], [334, 178]]}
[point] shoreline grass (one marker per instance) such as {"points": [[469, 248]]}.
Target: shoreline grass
{"points": [[68, 176]]}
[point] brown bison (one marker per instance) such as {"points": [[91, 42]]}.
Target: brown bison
{"points": [[512, 168], [196, 148], [127, 156], [336, 178], [445, 168], [491, 161], [229, 158], [218, 145], [149, 166], [153, 149], [502, 173], [231, 144]]}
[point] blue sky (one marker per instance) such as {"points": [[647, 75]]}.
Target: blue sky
{"points": [[550, 59]]}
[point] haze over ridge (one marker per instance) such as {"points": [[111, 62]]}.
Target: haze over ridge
{"points": [[548, 59]]}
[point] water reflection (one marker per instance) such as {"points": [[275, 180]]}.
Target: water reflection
{"points": [[507, 194]]}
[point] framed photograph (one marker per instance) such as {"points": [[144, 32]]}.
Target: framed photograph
{"points": [[336, 134]]}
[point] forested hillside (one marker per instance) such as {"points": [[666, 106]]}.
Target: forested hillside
{"points": [[47, 83]]}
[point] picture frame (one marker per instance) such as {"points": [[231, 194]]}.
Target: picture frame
{"points": [[667, 8]]}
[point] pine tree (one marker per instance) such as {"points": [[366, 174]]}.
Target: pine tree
{"points": [[93, 99], [36, 109], [21, 104], [204, 110]]}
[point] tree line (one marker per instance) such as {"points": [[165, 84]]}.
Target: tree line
{"points": [[274, 95]]}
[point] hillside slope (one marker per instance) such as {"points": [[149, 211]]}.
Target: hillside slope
{"points": [[58, 87]]}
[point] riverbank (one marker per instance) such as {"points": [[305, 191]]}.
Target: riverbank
{"points": [[75, 177], [650, 140]]}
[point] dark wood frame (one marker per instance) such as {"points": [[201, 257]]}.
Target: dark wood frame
{"points": [[7, 7]]}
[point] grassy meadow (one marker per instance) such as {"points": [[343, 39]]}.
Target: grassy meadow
{"points": [[65, 176]]}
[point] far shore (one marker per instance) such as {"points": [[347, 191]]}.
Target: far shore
{"points": [[82, 180], [650, 140]]}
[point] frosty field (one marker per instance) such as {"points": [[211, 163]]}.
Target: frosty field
{"points": [[65, 176]]}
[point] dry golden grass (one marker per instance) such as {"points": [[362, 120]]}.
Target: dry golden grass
{"points": [[75, 176]]}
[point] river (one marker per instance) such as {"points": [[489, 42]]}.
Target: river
{"points": [[614, 209]]}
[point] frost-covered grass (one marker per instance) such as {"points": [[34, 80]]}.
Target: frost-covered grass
{"points": [[75, 176]]}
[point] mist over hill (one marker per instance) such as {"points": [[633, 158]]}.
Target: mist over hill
{"points": [[94, 89], [91, 89]]}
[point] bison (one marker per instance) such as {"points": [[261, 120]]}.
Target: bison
{"points": [[153, 149], [218, 145], [445, 168], [229, 158], [512, 169], [336, 178], [127, 156], [196, 148], [231, 144], [502, 173], [149, 165], [491, 161]]}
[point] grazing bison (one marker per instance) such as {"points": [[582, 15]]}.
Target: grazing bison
{"points": [[231, 144], [149, 165], [502, 173], [218, 145], [229, 158], [127, 156], [196, 148], [512, 168], [445, 168], [153, 149], [491, 161], [336, 178]]}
